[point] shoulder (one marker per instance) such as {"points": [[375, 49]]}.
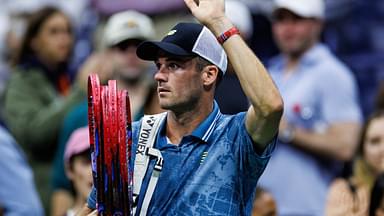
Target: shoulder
{"points": [[25, 79], [231, 125], [136, 125], [21, 73], [339, 184], [229, 120], [328, 64]]}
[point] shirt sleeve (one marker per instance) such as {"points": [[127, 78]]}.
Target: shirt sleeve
{"points": [[91, 201], [18, 195], [251, 164]]}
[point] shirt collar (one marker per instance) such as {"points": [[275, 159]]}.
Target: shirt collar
{"points": [[205, 129], [314, 54]]}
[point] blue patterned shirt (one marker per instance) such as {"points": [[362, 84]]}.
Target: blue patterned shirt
{"points": [[213, 171]]}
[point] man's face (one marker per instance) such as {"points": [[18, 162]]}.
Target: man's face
{"points": [[127, 65], [179, 83], [294, 34]]}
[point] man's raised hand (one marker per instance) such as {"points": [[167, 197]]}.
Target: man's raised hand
{"points": [[207, 12]]}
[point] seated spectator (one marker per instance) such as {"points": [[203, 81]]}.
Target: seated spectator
{"points": [[376, 206], [350, 195], [18, 195], [77, 159]]}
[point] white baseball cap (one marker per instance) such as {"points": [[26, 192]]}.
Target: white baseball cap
{"points": [[240, 16], [128, 25], [303, 8]]}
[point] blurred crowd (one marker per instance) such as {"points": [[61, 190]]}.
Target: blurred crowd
{"points": [[326, 58]]}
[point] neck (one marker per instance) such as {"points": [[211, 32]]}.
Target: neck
{"points": [[79, 203], [181, 124], [293, 57], [293, 60], [47, 63]]}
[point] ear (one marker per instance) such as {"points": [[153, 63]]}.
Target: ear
{"points": [[69, 172], [210, 75]]}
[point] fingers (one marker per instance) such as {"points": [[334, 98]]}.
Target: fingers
{"points": [[191, 4], [94, 213], [86, 211]]}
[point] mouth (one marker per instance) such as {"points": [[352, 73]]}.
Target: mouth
{"points": [[162, 90]]}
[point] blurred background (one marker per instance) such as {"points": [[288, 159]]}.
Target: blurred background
{"points": [[353, 30]]}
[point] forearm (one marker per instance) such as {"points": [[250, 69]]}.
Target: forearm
{"points": [[254, 79], [336, 143], [265, 99], [263, 116]]}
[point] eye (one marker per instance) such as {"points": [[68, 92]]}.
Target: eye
{"points": [[374, 140], [54, 31], [158, 65], [173, 66]]}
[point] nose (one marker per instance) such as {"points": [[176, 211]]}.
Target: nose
{"points": [[66, 39], [161, 75]]}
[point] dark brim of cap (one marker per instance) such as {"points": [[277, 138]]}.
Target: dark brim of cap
{"points": [[149, 50]]}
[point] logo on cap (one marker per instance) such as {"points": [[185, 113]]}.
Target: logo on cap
{"points": [[172, 32], [131, 24]]}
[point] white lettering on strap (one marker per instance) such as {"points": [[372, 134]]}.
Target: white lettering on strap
{"points": [[149, 127]]}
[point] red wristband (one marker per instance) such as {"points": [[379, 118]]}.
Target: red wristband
{"points": [[223, 37]]}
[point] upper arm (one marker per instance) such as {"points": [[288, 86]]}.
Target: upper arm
{"points": [[262, 128]]}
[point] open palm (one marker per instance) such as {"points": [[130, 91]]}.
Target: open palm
{"points": [[206, 11]]}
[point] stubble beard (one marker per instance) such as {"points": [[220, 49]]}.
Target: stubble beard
{"points": [[180, 105], [297, 51]]}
